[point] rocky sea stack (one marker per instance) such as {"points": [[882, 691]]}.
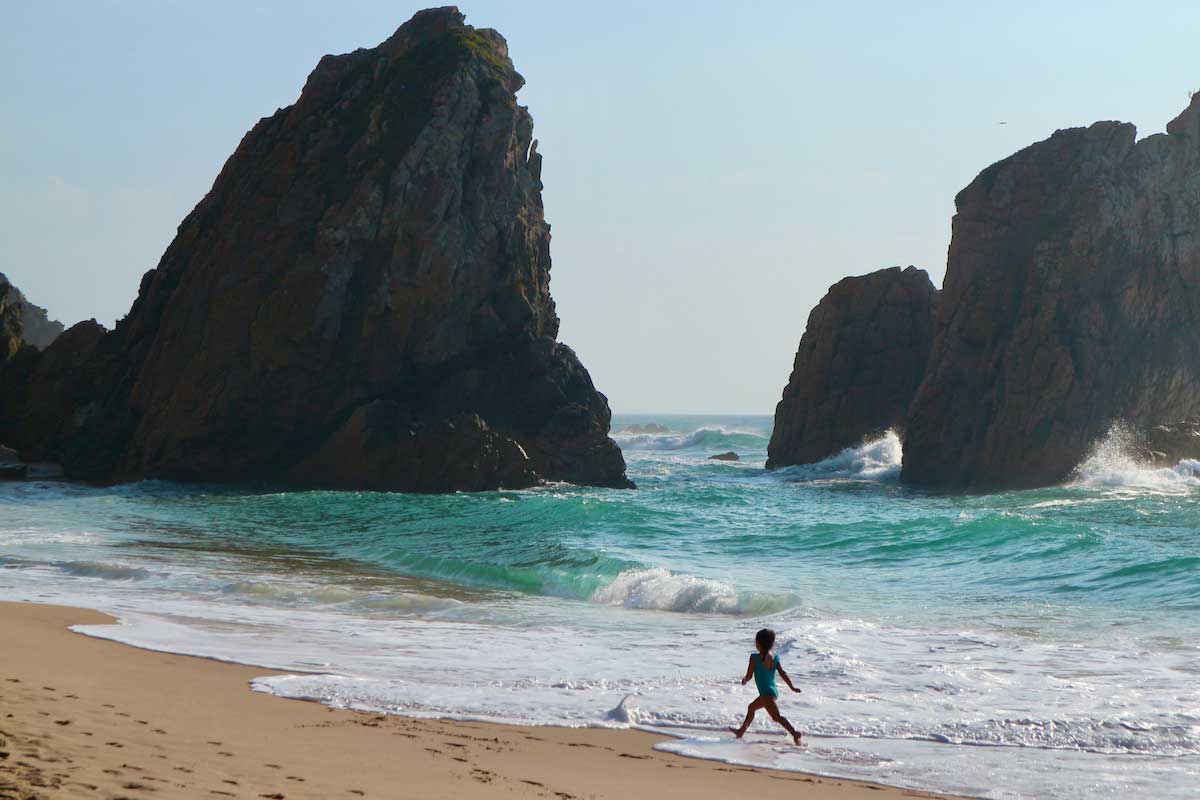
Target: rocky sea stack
{"points": [[1071, 304], [1070, 308], [859, 364], [362, 301]]}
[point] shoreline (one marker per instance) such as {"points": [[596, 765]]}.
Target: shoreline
{"points": [[87, 717]]}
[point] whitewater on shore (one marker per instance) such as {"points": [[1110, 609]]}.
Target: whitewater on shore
{"points": [[1021, 644]]}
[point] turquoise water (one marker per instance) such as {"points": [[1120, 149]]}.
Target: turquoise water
{"points": [[1024, 644]]}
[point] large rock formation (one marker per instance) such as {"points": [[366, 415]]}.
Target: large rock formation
{"points": [[859, 364], [1071, 302], [22, 321], [361, 300]]}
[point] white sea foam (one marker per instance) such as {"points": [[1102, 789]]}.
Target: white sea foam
{"points": [[1114, 463], [711, 435], [662, 590], [875, 460]]}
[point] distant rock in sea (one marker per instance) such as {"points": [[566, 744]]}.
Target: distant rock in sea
{"points": [[361, 301], [22, 322], [858, 366], [1071, 302], [652, 427], [730, 456]]}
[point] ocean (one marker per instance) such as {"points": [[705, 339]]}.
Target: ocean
{"points": [[1010, 645]]}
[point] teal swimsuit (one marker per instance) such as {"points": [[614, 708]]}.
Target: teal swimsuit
{"points": [[764, 678]]}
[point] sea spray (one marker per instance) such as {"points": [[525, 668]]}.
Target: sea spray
{"points": [[1116, 462], [874, 460]]}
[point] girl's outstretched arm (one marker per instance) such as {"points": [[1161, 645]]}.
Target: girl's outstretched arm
{"points": [[783, 674], [749, 671]]}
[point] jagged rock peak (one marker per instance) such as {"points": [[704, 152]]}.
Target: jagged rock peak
{"points": [[858, 366], [431, 30], [362, 300]]}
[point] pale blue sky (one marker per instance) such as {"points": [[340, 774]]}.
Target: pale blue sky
{"points": [[710, 168]]}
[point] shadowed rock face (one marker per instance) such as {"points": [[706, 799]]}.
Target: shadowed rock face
{"points": [[361, 300], [24, 330], [22, 322], [859, 363], [1071, 301]]}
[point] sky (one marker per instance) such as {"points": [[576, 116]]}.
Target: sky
{"points": [[710, 168]]}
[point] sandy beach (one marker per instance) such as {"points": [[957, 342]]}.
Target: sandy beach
{"points": [[84, 717]]}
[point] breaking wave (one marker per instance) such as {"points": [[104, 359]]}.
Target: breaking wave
{"points": [[1115, 463], [660, 589], [876, 460]]}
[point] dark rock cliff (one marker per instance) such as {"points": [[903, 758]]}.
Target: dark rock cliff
{"points": [[361, 300], [1071, 302], [858, 366]]}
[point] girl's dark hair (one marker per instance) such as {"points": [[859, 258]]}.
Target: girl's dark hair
{"points": [[765, 638]]}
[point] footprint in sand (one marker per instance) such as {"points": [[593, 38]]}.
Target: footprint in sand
{"points": [[295, 778], [276, 796], [62, 722]]}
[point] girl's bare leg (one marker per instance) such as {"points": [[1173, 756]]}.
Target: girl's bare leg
{"points": [[773, 710], [751, 710]]}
